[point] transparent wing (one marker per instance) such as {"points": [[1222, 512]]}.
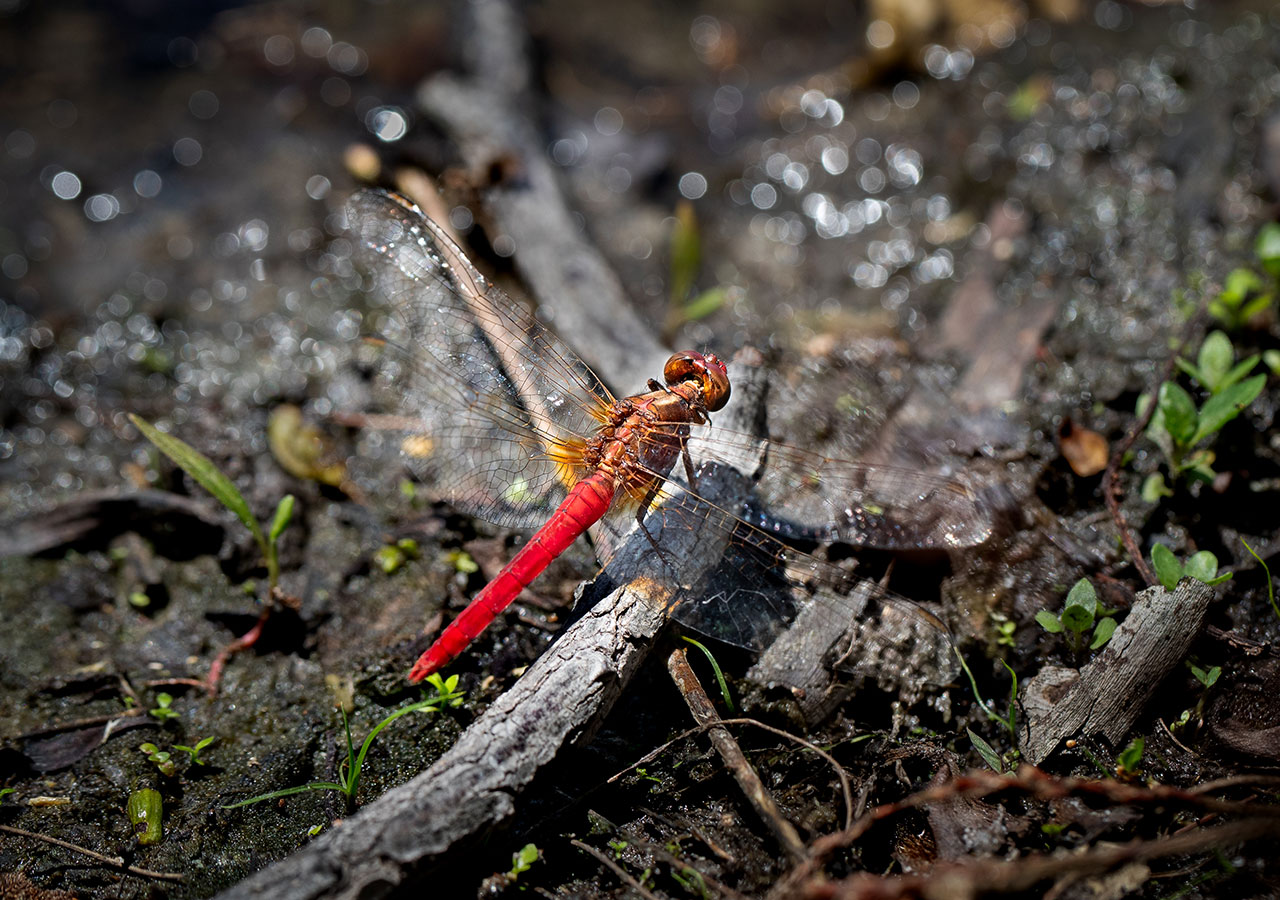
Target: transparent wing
{"points": [[760, 589], [820, 498], [492, 408]]}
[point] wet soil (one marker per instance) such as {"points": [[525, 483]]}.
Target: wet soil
{"points": [[945, 256]]}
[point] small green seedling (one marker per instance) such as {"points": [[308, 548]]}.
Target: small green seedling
{"points": [[1208, 677], [463, 563], [1005, 628], [1202, 566], [446, 689], [523, 859], [163, 710], [1009, 722], [1243, 296], [348, 782], [161, 758], [391, 557], [4, 792], [1267, 248], [1080, 615], [1180, 429], [207, 475], [194, 752], [1215, 367], [1130, 758]]}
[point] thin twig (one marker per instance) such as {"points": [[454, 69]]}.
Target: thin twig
{"points": [[704, 713], [616, 869], [988, 876], [839, 770], [1179, 743], [113, 861], [73, 724], [1030, 780]]}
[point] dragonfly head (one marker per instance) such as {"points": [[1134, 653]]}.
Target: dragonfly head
{"points": [[705, 369]]}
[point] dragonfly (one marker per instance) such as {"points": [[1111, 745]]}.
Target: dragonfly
{"points": [[513, 427]]}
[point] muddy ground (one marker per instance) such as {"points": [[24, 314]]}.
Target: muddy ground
{"points": [[963, 238]]}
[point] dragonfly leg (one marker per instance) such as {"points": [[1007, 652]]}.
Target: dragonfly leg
{"points": [[641, 510], [688, 465]]}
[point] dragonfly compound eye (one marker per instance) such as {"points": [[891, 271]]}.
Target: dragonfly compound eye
{"points": [[710, 373]]}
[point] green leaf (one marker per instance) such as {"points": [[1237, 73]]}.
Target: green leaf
{"points": [[280, 521], [1178, 413], [206, 474], [1267, 248], [985, 750], [1048, 621], [1221, 408], [1131, 755], [1254, 307], [686, 253], [1202, 566], [705, 304], [1242, 368], [288, 792], [1167, 567], [715, 667], [1078, 619], [523, 859], [1154, 487], [1206, 678], [1239, 284], [1102, 634], [1083, 594], [1214, 360]]}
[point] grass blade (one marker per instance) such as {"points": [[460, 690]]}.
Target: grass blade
{"points": [[206, 474]]}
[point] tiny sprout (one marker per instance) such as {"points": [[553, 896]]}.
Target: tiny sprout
{"points": [[462, 562], [392, 556], [161, 758], [139, 600], [1267, 248], [4, 792], [1202, 566], [523, 859], [1206, 678], [162, 710], [1130, 758], [446, 689], [1080, 614], [194, 752]]}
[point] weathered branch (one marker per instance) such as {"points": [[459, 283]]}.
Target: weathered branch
{"points": [[1107, 695], [487, 116]]}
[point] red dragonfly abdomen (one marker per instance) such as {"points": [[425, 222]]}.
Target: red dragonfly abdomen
{"points": [[587, 502]]}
